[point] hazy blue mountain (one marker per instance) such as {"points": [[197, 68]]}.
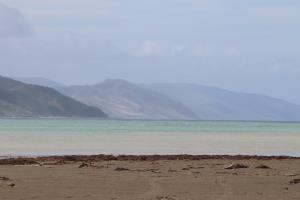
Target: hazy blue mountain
{"points": [[122, 99], [18, 99], [38, 81], [211, 103]]}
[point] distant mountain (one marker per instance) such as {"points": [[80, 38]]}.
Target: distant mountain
{"points": [[122, 99], [18, 99], [38, 81], [211, 103]]}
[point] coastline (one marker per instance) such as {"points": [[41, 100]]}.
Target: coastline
{"points": [[106, 157]]}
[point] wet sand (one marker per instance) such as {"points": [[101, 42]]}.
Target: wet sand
{"points": [[150, 178]]}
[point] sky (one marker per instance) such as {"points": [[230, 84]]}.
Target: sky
{"points": [[250, 46]]}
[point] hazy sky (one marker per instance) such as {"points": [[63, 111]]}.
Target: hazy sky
{"points": [[243, 45]]}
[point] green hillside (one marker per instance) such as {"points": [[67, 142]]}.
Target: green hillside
{"points": [[18, 99]]}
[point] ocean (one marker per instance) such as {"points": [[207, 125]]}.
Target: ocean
{"points": [[32, 137]]}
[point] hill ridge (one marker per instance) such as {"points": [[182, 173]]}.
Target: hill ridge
{"points": [[21, 99]]}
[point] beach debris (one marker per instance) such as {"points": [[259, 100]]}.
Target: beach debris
{"points": [[262, 166], [147, 170], [3, 178], [58, 160], [90, 164], [154, 171], [236, 166], [19, 161], [83, 165], [186, 168], [227, 173], [191, 167], [122, 169], [295, 181], [11, 184], [172, 170]]}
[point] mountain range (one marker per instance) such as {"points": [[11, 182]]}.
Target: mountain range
{"points": [[126, 100], [122, 99], [38, 81], [19, 99], [212, 103]]}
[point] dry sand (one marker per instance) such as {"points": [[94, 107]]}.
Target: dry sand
{"points": [[157, 178]]}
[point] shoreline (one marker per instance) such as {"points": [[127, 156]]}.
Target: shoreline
{"points": [[10, 160]]}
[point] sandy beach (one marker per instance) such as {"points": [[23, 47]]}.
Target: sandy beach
{"points": [[150, 178]]}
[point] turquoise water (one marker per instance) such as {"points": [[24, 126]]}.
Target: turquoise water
{"points": [[79, 136], [135, 126]]}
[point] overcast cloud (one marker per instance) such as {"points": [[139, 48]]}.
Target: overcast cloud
{"points": [[250, 46], [12, 23]]}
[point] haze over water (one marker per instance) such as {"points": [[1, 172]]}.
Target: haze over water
{"points": [[80, 136]]}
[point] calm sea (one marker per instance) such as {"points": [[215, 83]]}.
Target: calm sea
{"points": [[79, 136]]}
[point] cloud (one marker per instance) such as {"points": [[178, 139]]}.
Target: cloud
{"points": [[12, 23], [209, 41], [150, 48]]}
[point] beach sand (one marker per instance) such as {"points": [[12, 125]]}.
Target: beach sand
{"points": [[150, 178]]}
